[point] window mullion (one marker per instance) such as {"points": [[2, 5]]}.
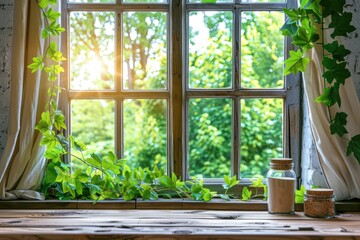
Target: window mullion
{"points": [[177, 108], [236, 101], [119, 137]]}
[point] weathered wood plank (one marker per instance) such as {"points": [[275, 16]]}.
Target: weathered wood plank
{"points": [[172, 224]]}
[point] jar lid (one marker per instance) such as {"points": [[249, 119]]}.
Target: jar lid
{"points": [[281, 163], [321, 192], [281, 160]]}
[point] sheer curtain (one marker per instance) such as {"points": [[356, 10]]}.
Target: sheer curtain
{"points": [[342, 172], [22, 163]]}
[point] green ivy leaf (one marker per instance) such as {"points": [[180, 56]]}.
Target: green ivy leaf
{"points": [[54, 154], [335, 70], [299, 195], [59, 120], [332, 6], [289, 28], [341, 24], [329, 97], [166, 181], [207, 195], [45, 122], [225, 197], [339, 52], [354, 147], [296, 62], [48, 140], [43, 3], [78, 187], [52, 15], [83, 177], [302, 39], [313, 5], [338, 124], [258, 182], [230, 182], [94, 190], [37, 64], [246, 194], [50, 172], [94, 160], [294, 15]]}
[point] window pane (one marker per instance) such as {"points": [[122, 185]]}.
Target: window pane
{"points": [[92, 123], [145, 132], [210, 131], [261, 135], [144, 49], [262, 50], [210, 49], [92, 50]]}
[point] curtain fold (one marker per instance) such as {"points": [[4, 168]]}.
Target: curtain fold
{"points": [[342, 172], [22, 163]]}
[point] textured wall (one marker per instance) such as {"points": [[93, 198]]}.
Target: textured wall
{"points": [[353, 43], [6, 17], [311, 169]]}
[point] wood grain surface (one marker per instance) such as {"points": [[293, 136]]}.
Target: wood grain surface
{"points": [[172, 224]]}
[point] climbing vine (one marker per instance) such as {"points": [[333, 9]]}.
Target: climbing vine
{"points": [[303, 24]]}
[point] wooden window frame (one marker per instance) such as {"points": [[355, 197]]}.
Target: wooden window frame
{"points": [[177, 93]]}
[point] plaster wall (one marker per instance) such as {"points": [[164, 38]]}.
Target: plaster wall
{"points": [[6, 22]]}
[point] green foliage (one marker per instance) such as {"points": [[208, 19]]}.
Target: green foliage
{"points": [[246, 194], [338, 123], [299, 194], [256, 183], [296, 62], [302, 25], [354, 147], [229, 182]]}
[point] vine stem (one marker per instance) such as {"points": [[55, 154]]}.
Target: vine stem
{"points": [[323, 55]]}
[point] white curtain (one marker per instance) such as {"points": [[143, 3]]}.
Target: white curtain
{"points": [[341, 171], [22, 163]]}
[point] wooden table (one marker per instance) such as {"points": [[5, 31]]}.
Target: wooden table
{"points": [[172, 224]]}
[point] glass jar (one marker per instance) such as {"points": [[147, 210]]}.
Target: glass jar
{"points": [[319, 203], [281, 186]]}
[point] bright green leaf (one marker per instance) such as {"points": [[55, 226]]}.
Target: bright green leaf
{"points": [[43, 3], [328, 97], [299, 195], [37, 64], [246, 194], [296, 62]]}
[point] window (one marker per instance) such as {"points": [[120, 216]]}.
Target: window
{"points": [[195, 88]]}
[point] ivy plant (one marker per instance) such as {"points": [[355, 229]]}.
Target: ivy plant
{"points": [[302, 25]]}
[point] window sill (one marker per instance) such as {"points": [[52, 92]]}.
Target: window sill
{"points": [[168, 204]]}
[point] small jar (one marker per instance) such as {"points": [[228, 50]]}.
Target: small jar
{"points": [[281, 186], [319, 203]]}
